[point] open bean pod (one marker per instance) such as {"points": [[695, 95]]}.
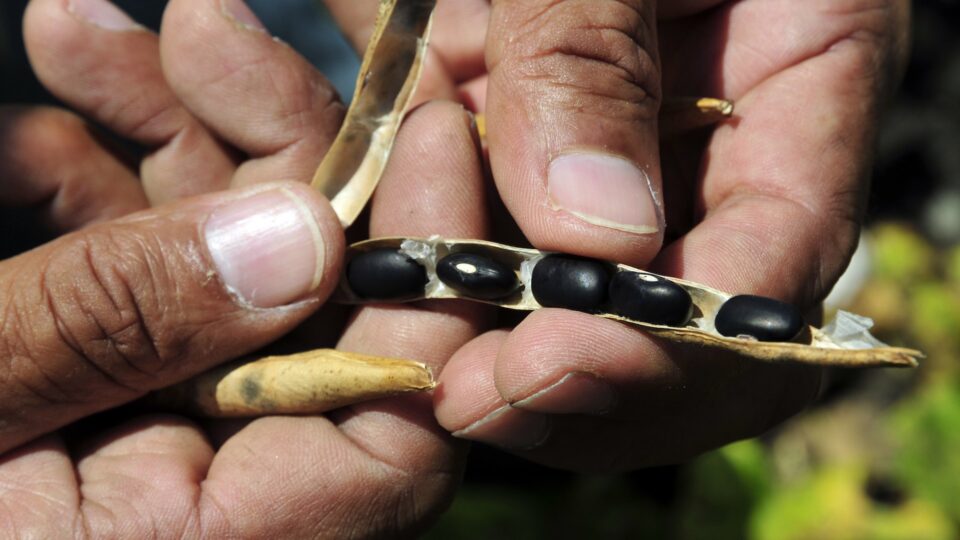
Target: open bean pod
{"points": [[409, 269]]}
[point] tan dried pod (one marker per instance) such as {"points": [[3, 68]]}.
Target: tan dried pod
{"points": [[406, 269], [306, 383]]}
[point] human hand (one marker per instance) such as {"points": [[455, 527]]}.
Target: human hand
{"points": [[123, 306], [768, 204]]}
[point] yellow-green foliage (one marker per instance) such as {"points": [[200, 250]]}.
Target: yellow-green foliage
{"points": [[927, 431], [901, 254], [833, 505], [935, 318], [721, 490]]}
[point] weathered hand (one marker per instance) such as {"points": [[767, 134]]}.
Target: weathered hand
{"points": [[119, 307], [769, 203]]}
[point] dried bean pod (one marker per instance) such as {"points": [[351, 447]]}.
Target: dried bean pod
{"points": [[311, 382], [810, 345], [389, 74]]}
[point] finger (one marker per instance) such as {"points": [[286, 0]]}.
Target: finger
{"points": [[95, 58], [102, 316], [49, 158], [768, 210], [39, 496], [606, 397], [142, 479], [447, 199], [383, 467], [572, 101], [784, 193], [254, 92]]}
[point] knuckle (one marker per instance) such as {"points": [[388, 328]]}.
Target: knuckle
{"points": [[103, 296], [599, 56], [144, 116]]}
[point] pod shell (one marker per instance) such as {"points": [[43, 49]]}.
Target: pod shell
{"points": [[385, 274], [570, 282], [477, 276], [763, 318], [649, 299]]}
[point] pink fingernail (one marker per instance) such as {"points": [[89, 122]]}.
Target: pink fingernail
{"points": [[240, 13], [604, 190], [509, 428], [575, 393], [267, 248], [102, 14]]}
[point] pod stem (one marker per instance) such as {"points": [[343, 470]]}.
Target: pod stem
{"points": [[311, 382], [680, 115]]}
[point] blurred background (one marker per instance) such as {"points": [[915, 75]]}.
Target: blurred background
{"points": [[877, 458]]}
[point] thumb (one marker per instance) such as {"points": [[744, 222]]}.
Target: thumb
{"points": [[572, 105], [102, 316]]}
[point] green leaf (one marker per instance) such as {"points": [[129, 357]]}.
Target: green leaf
{"points": [[901, 254], [828, 505], [721, 490], [928, 461]]}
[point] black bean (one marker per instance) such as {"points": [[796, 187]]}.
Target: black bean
{"points": [[477, 276], [650, 299], [385, 274], [763, 318], [570, 282]]}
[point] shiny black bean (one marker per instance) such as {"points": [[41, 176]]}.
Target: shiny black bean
{"points": [[385, 274], [477, 276], [763, 318], [650, 299], [570, 282]]}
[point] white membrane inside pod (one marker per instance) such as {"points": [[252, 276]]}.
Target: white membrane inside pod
{"points": [[852, 331]]}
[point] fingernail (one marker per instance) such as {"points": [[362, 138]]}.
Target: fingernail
{"points": [[509, 428], [575, 393], [267, 248], [240, 13], [102, 14], [604, 190]]}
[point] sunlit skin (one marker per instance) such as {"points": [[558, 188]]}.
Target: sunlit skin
{"points": [[768, 204], [380, 469]]}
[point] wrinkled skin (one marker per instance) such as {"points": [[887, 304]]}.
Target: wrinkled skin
{"points": [[130, 299], [769, 203], [746, 209]]}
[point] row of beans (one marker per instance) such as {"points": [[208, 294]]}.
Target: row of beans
{"points": [[563, 281]]}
